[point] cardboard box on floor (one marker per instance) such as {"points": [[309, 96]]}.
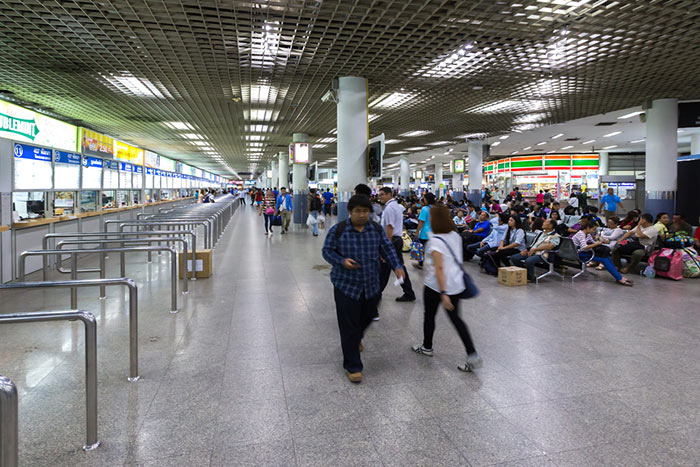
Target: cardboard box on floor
{"points": [[203, 264], [512, 276]]}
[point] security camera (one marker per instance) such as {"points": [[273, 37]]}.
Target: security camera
{"points": [[329, 96]]}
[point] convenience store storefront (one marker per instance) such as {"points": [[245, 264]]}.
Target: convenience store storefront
{"points": [[559, 173]]}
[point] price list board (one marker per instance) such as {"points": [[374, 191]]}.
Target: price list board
{"points": [[33, 169]]}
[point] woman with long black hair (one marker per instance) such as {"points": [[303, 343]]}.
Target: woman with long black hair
{"points": [[513, 243]]}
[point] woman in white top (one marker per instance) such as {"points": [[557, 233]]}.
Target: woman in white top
{"points": [[443, 284], [612, 233]]}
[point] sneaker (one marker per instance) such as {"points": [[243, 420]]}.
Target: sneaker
{"points": [[422, 350], [473, 362], [283, 232], [376, 318], [354, 377], [406, 298]]}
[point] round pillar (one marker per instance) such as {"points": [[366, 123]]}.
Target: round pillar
{"points": [[603, 163], [275, 174], [301, 189], [661, 156], [405, 169], [283, 169], [695, 144], [353, 137], [439, 188], [476, 171]]}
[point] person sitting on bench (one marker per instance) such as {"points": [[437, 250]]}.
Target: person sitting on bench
{"points": [[546, 240]]}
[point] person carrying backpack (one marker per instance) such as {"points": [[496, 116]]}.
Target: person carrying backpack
{"points": [[314, 208]]}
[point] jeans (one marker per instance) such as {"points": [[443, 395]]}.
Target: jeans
{"points": [[286, 219], [475, 249], [431, 302], [314, 227], [528, 262], [354, 316], [585, 257], [385, 270], [268, 222]]}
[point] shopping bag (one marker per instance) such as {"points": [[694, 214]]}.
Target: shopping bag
{"points": [[311, 220], [277, 220], [668, 263], [691, 262], [417, 251], [407, 241]]}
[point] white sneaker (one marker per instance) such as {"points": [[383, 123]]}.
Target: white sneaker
{"points": [[422, 350], [473, 362]]}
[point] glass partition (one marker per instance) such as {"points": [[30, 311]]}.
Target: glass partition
{"points": [[122, 198], [108, 199], [63, 203], [88, 201], [29, 204]]}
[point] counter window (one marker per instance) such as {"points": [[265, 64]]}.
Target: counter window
{"points": [[108, 199], [63, 203], [29, 204], [122, 198], [136, 197], [88, 201]]}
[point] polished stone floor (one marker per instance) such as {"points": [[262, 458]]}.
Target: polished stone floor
{"points": [[249, 372]]}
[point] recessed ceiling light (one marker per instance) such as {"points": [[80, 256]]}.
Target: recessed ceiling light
{"points": [[439, 143], [629, 115], [451, 149], [372, 117], [638, 141], [326, 140], [390, 100], [496, 143], [610, 147], [417, 148], [515, 152], [558, 136], [192, 136], [527, 148], [393, 141], [319, 146], [612, 134], [504, 137], [589, 141], [541, 143], [411, 134], [178, 125], [551, 152], [566, 147], [399, 152]]}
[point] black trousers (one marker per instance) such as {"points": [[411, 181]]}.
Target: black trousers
{"points": [[385, 270], [327, 209], [431, 301], [500, 258], [354, 316]]}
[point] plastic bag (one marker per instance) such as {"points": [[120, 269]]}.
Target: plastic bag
{"points": [[649, 272], [311, 220]]}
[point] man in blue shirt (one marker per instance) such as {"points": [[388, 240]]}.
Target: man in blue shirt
{"points": [[480, 231], [285, 208], [327, 202], [609, 203], [490, 242], [354, 251]]}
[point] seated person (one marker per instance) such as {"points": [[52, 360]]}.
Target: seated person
{"points": [[539, 211], [513, 242], [559, 225], [547, 240], [491, 241], [460, 221], [679, 225], [588, 250], [536, 226], [496, 208], [630, 220], [637, 243], [593, 215], [612, 233], [661, 224], [556, 207], [479, 232]]}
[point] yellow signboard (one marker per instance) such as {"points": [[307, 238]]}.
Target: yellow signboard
{"points": [[128, 153], [96, 144]]}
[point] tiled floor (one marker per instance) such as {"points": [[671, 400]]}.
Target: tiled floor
{"points": [[249, 372]]}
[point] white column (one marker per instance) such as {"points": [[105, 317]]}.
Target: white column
{"points": [[275, 174], [476, 170], [395, 180], [438, 180], [695, 144], [283, 169], [300, 183], [405, 170], [604, 163], [353, 136], [661, 156]]}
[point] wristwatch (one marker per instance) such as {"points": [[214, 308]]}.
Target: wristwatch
{"points": [[442, 292]]}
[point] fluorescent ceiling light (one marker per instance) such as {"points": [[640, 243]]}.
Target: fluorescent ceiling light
{"points": [[319, 146], [505, 106], [527, 148], [178, 125], [258, 128], [541, 143], [629, 115], [589, 141], [391, 100], [199, 143], [261, 94], [530, 118], [637, 141], [393, 141], [566, 147], [417, 148], [255, 137], [496, 143], [139, 87], [439, 143], [551, 152], [612, 134], [472, 136], [399, 152], [559, 135], [515, 152], [504, 137], [261, 115], [372, 117], [326, 140], [411, 134], [455, 63], [451, 149], [610, 147], [192, 136]]}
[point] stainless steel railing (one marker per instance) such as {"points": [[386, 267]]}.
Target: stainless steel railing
{"points": [[133, 308], [9, 424], [145, 224], [74, 264], [92, 442]]}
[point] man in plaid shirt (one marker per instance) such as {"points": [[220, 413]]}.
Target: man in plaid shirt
{"points": [[355, 257]]}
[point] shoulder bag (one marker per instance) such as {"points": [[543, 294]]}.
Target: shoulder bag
{"points": [[470, 290]]}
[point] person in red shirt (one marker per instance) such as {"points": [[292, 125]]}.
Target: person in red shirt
{"points": [[539, 199]]}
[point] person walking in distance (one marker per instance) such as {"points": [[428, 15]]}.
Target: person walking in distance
{"points": [[353, 248], [443, 284], [327, 202], [314, 208], [423, 228], [267, 208], [285, 208], [392, 221]]}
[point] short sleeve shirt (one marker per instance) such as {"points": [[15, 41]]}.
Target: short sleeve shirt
{"points": [[393, 216], [327, 197], [610, 202], [451, 265], [425, 217]]}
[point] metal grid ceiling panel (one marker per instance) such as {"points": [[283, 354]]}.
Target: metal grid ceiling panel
{"points": [[247, 74]]}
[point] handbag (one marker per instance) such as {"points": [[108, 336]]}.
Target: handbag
{"points": [[269, 211], [417, 251], [310, 220], [470, 290], [276, 220], [601, 251]]}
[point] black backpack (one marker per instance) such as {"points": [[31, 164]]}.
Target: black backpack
{"points": [[315, 204]]}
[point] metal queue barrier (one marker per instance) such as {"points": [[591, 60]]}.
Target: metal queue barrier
{"points": [[147, 226], [9, 425], [117, 235], [122, 264], [133, 308], [92, 442], [74, 264]]}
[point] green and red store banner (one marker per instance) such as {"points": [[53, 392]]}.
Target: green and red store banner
{"points": [[515, 165]]}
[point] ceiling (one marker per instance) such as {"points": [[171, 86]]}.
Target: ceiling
{"points": [[245, 75]]}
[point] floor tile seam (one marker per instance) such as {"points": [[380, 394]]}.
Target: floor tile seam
{"points": [[452, 441]]}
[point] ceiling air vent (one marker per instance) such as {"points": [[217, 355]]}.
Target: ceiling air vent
{"points": [[572, 139], [605, 123]]}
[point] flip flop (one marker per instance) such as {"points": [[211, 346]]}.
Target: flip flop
{"points": [[628, 283]]}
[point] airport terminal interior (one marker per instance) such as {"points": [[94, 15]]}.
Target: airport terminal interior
{"points": [[349, 233]]}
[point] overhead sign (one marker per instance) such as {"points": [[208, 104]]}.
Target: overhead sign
{"points": [[20, 124], [24, 151], [301, 153], [96, 144], [458, 166], [61, 157], [152, 159], [126, 152]]}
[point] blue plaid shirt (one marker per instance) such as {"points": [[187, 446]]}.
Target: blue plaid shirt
{"points": [[364, 247]]}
